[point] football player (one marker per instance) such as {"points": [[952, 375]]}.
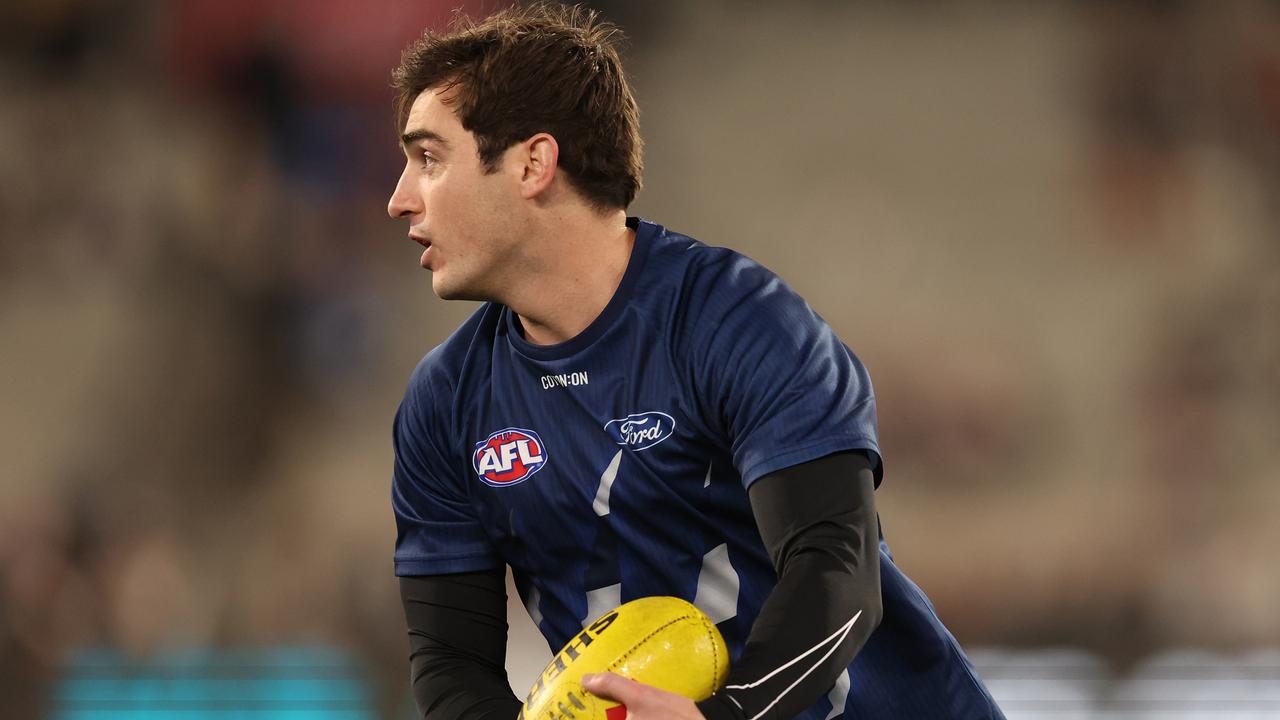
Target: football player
{"points": [[629, 413]]}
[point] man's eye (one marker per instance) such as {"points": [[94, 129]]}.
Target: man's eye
{"points": [[427, 160]]}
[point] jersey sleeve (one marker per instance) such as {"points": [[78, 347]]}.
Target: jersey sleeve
{"points": [[437, 529], [784, 388]]}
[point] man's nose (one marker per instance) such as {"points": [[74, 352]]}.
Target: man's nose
{"points": [[403, 202]]}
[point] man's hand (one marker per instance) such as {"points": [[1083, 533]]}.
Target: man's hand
{"points": [[644, 702]]}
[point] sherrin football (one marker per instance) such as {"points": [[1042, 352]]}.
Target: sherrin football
{"points": [[661, 641]]}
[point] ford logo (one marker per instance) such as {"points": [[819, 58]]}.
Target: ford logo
{"points": [[641, 430]]}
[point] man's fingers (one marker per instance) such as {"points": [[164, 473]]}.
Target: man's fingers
{"points": [[639, 701], [612, 687]]}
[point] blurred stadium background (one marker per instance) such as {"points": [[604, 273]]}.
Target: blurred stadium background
{"points": [[1050, 229]]}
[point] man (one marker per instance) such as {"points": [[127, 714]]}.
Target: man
{"points": [[630, 413]]}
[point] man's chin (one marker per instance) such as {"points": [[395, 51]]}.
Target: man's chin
{"points": [[451, 291]]}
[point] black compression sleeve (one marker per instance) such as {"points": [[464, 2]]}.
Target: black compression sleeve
{"points": [[818, 522], [458, 645]]}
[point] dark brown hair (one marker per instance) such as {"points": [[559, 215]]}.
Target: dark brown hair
{"points": [[543, 68]]}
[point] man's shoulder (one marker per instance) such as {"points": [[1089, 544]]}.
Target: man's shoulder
{"points": [[703, 294], [703, 271], [442, 369]]}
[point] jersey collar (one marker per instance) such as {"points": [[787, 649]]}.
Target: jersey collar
{"points": [[645, 231]]}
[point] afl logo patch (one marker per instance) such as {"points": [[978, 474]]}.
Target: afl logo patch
{"points": [[508, 457], [641, 430]]}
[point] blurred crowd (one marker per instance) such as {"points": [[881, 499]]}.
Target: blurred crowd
{"points": [[1051, 231]]}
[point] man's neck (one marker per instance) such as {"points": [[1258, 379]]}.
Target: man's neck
{"points": [[591, 254]]}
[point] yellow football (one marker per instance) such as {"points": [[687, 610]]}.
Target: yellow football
{"points": [[661, 641]]}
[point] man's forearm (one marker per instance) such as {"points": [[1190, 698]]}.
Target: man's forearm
{"points": [[818, 522], [457, 645]]}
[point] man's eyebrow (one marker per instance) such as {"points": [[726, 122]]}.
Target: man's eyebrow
{"points": [[414, 136]]}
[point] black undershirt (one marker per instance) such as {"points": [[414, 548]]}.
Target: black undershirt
{"points": [[458, 645], [818, 523]]}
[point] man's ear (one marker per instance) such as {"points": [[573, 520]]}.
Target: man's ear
{"points": [[540, 155]]}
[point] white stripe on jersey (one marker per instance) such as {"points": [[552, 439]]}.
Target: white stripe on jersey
{"points": [[839, 695], [601, 601], [601, 503], [718, 585], [534, 606]]}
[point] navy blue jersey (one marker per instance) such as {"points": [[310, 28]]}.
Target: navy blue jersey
{"points": [[615, 465]]}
